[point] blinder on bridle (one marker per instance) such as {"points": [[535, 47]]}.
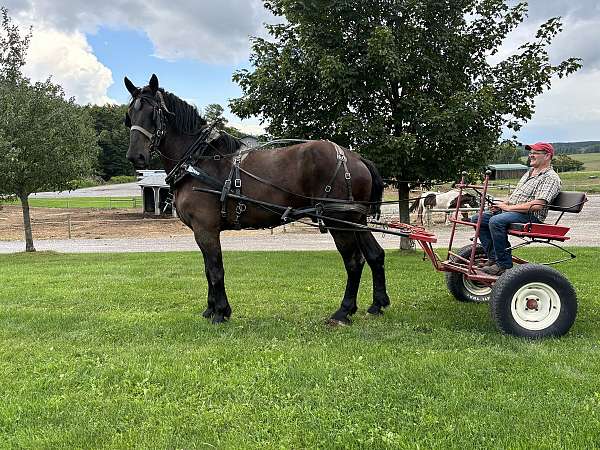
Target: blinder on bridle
{"points": [[158, 117]]}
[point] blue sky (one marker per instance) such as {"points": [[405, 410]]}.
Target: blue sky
{"points": [[194, 46], [130, 53]]}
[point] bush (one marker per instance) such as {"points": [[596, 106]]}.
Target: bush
{"points": [[86, 182], [564, 163], [122, 179]]}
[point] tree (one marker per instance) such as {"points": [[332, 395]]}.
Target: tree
{"points": [[507, 153], [113, 139], [213, 113], [408, 83], [45, 140], [564, 163]]}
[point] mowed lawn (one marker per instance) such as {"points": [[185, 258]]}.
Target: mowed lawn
{"points": [[80, 202], [110, 350]]}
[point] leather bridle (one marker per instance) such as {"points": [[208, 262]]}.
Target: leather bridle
{"points": [[159, 109]]}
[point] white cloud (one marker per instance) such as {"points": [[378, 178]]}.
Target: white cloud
{"points": [[247, 126], [570, 111], [209, 31], [69, 59]]}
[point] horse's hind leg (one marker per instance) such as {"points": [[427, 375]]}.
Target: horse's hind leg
{"points": [[354, 262], [375, 256], [218, 306]]}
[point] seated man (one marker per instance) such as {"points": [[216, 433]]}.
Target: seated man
{"points": [[527, 203]]}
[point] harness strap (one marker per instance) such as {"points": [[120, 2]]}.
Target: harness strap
{"points": [[341, 160], [142, 130], [201, 175]]}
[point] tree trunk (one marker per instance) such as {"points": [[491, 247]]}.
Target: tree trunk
{"points": [[403, 195], [27, 223]]}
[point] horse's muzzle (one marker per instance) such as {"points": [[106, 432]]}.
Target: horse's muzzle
{"points": [[139, 162]]}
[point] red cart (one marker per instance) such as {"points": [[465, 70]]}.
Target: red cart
{"points": [[530, 300]]}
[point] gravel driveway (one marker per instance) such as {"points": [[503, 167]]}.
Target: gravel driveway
{"points": [[108, 190]]}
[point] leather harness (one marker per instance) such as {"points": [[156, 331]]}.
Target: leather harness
{"points": [[187, 165]]}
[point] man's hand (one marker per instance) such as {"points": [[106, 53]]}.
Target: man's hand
{"points": [[498, 206]]}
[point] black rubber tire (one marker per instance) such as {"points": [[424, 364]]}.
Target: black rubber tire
{"points": [[556, 296], [463, 289]]}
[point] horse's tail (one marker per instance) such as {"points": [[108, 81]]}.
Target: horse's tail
{"points": [[414, 205], [377, 186]]}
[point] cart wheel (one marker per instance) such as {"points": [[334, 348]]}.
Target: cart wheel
{"points": [[533, 301], [462, 288]]}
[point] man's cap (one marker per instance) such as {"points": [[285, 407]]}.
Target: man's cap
{"points": [[541, 147]]}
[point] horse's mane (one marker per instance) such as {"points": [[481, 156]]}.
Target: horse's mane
{"points": [[188, 120]]}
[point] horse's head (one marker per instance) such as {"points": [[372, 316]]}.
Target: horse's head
{"points": [[470, 199], [145, 120]]}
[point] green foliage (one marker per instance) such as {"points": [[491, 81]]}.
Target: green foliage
{"points": [[507, 153], [113, 139], [13, 49], [564, 163], [213, 113], [406, 82], [47, 140], [111, 351], [119, 179]]}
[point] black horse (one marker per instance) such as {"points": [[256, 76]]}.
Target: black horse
{"points": [[213, 177]]}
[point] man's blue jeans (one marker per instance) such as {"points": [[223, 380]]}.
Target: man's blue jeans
{"points": [[494, 237]]}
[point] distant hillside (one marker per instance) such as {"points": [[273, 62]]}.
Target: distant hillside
{"points": [[571, 148], [577, 147]]}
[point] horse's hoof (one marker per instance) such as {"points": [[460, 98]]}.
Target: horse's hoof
{"points": [[208, 313], [338, 323], [383, 302], [219, 318], [375, 310]]}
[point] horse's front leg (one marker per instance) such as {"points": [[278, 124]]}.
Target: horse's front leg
{"points": [[218, 306], [210, 308]]}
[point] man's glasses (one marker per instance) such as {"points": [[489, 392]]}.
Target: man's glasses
{"points": [[537, 153]]}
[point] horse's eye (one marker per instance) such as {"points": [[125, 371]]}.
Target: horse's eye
{"points": [[137, 105]]}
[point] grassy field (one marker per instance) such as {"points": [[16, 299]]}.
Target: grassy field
{"points": [[110, 351], [82, 202], [591, 160]]}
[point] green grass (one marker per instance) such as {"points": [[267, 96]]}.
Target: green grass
{"points": [[81, 202], [591, 160], [111, 351]]}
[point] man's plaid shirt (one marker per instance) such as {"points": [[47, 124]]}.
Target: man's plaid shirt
{"points": [[543, 186]]}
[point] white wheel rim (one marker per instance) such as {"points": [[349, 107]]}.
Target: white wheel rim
{"points": [[535, 306], [478, 289]]}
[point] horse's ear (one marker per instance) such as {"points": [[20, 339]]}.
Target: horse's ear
{"points": [[130, 86], [153, 83]]}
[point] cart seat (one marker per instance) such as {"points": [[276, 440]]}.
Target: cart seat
{"points": [[570, 202]]}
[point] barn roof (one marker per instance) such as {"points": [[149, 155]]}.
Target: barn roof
{"points": [[508, 167], [156, 180]]}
